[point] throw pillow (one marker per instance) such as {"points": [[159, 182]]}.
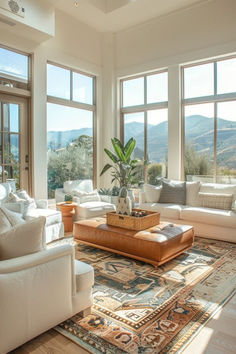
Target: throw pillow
{"points": [[87, 197], [19, 202], [22, 239], [173, 192], [85, 185], [152, 193], [192, 190], [216, 201], [9, 219], [12, 198]]}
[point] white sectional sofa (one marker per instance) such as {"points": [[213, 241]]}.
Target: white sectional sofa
{"points": [[207, 222]]}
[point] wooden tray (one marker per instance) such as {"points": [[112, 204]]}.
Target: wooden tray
{"points": [[131, 222]]}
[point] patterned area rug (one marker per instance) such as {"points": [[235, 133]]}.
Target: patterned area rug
{"points": [[140, 309]]}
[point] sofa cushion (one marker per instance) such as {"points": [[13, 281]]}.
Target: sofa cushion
{"points": [[173, 192], [22, 239], [85, 185], [93, 209], [87, 196], [192, 189], [84, 275], [210, 216], [21, 193], [5, 189], [52, 216], [8, 219], [152, 193], [170, 211], [219, 189], [216, 201]]}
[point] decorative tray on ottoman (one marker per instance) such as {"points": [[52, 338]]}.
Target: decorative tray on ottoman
{"points": [[133, 223]]}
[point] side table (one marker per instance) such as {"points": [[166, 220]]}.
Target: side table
{"points": [[67, 210]]}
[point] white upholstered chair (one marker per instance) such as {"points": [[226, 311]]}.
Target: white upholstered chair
{"points": [[54, 227], [89, 203], [39, 287]]}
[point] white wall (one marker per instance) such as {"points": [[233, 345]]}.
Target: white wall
{"points": [[202, 31]]}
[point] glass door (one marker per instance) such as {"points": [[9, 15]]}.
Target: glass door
{"points": [[14, 142]]}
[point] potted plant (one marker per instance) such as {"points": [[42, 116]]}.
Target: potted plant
{"points": [[123, 167]]}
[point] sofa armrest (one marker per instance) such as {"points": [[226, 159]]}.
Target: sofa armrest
{"points": [[142, 197], [31, 260], [76, 200], [42, 203], [59, 195]]}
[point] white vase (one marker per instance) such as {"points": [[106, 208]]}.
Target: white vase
{"points": [[124, 206]]}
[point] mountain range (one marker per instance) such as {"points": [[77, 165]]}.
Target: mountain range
{"points": [[199, 132]]}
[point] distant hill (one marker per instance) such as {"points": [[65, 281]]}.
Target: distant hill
{"points": [[199, 132], [60, 139]]}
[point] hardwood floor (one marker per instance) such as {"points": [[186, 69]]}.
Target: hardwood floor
{"points": [[217, 337]]}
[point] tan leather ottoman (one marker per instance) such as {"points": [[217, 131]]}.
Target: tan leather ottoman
{"points": [[156, 245]]}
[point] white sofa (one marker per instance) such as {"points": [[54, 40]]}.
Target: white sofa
{"points": [[207, 222], [54, 226], [89, 203], [40, 290]]}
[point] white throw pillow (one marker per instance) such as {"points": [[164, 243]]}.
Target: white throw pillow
{"points": [[216, 201], [217, 188], [8, 219], [22, 239], [87, 197], [152, 193], [19, 202], [192, 190], [5, 189], [85, 185]]}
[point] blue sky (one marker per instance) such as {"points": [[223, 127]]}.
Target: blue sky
{"points": [[13, 63]]}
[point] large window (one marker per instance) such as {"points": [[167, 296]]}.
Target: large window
{"points": [[14, 123], [209, 107], [70, 126], [144, 116]]}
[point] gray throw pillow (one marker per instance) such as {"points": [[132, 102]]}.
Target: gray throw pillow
{"points": [[173, 192]]}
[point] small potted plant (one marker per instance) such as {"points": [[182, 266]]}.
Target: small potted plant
{"points": [[68, 198]]}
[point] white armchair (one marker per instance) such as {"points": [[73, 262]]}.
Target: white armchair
{"points": [[89, 203], [40, 290], [54, 226]]}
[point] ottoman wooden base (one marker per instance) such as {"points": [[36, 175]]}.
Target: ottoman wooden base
{"points": [[156, 245]]}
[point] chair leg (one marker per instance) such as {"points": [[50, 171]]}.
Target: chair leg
{"points": [[86, 312]]}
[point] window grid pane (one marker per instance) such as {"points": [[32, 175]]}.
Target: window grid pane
{"points": [[210, 128], [133, 92]]}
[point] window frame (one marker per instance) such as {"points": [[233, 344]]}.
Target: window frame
{"points": [[140, 108], [79, 105], [215, 99], [21, 86]]}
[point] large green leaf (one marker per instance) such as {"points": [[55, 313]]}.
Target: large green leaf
{"points": [[118, 142], [130, 149], [105, 168], [118, 150], [111, 155], [128, 144]]}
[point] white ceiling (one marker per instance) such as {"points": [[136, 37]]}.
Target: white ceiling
{"points": [[117, 15]]}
